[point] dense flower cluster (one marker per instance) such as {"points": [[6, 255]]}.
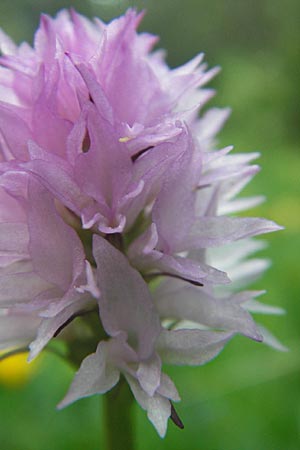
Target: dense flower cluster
{"points": [[117, 211]]}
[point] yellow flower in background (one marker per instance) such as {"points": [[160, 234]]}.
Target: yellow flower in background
{"points": [[15, 370]]}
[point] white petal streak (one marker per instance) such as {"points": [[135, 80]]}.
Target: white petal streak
{"points": [[216, 231], [254, 306], [191, 347], [193, 303], [271, 340]]}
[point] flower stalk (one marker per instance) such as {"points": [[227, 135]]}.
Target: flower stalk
{"points": [[118, 418]]}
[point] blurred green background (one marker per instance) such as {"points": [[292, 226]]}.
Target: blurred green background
{"points": [[249, 397]]}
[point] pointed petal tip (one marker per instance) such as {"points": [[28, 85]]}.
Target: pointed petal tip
{"points": [[34, 351], [266, 226], [62, 404], [275, 344], [30, 357], [279, 227], [271, 340], [273, 226], [257, 337]]}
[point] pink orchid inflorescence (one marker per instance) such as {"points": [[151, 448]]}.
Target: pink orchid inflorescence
{"points": [[118, 231]]}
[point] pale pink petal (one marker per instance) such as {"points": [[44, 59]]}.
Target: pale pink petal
{"points": [[158, 407], [97, 94], [7, 45], [125, 302], [191, 347], [167, 388], [95, 376], [103, 172], [55, 248], [49, 327], [59, 182], [149, 374], [20, 288], [15, 132], [144, 256], [14, 238], [174, 223], [17, 329], [179, 300], [216, 231]]}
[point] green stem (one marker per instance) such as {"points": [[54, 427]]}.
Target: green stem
{"points": [[118, 418]]}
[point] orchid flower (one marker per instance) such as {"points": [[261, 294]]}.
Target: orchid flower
{"points": [[119, 231]]}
